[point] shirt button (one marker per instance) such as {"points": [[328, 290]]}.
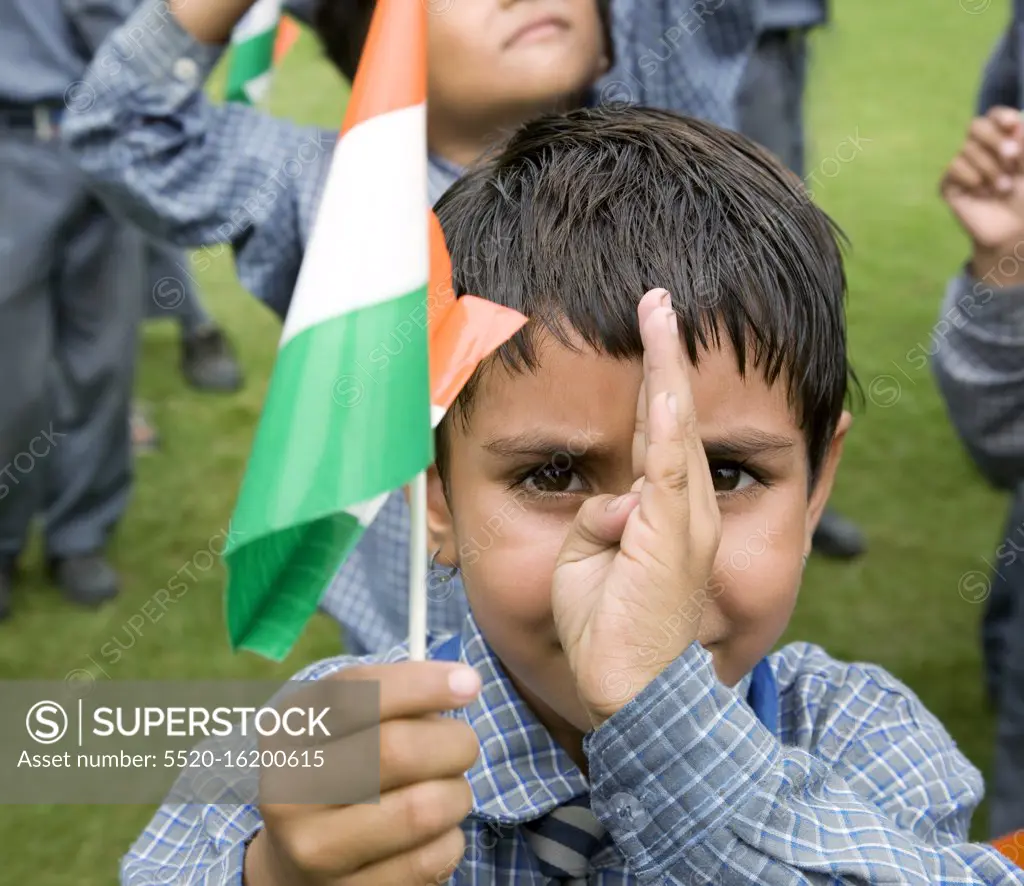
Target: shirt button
{"points": [[630, 812], [186, 70]]}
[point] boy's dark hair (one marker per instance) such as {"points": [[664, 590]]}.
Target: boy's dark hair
{"points": [[579, 214], [343, 25]]}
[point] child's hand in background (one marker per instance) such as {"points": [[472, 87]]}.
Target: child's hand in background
{"points": [[409, 834], [624, 572], [984, 186]]}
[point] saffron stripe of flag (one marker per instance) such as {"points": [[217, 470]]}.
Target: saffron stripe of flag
{"points": [[462, 331], [288, 33]]}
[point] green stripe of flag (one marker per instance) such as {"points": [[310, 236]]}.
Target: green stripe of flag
{"points": [[250, 60], [338, 429]]}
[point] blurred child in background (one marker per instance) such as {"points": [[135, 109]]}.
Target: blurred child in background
{"points": [[979, 364]]}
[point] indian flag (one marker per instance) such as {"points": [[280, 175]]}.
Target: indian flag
{"points": [[252, 53]]}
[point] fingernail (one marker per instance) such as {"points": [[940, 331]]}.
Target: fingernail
{"points": [[464, 682], [615, 503], [666, 299], [1010, 149], [673, 404], [670, 320], [1003, 183]]}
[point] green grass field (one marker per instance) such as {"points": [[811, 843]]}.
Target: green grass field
{"points": [[893, 86]]}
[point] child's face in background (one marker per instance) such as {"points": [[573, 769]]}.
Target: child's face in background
{"points": [[537, 444], [492, 57]]}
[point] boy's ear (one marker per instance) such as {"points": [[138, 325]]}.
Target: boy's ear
{"points": [[440, 532], [826, 477]]}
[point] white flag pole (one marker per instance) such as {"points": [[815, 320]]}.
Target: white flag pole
{"points": [[418, 568]]}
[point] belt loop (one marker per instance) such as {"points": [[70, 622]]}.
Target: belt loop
{"points": [[43, 118]]}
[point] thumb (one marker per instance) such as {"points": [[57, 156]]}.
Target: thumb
{"points": [[598, 526]]}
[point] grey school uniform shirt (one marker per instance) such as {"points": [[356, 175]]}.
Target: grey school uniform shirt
{"points": [[979, 365]]}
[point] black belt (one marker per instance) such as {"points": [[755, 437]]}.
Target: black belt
{"points": [[42, 119]]}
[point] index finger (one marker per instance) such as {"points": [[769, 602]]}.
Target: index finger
{"points": [[362, 697], [665, 365], [675, 452], [652, 300], [417, 688]]}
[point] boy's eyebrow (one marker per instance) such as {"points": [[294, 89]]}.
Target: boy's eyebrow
{"points": [[746, 442], [582, 444], [736, 444]]}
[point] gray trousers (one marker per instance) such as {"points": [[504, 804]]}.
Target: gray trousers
{"points": [[70, 277], [171, 291], [1003, 643], [771, 97]]}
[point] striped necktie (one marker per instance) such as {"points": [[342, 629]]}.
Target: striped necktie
{"points": [[564, 839]]}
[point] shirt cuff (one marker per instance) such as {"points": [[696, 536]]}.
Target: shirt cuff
{"points": [[993, 313], [168, 61], [229, 869], [676, 762]]}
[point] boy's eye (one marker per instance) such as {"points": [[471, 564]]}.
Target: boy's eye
{"points": [[553, 479], [729, 477]]}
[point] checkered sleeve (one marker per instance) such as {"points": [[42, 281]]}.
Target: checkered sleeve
{"points": [[191, 843], [188, 171], [979, 366], [869, 789], [93, 20]]}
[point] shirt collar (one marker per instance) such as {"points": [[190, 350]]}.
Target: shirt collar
{"points": [[446, 166], [521, 773]]}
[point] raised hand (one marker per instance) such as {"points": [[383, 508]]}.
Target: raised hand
{"points": [[984, 186], [630, 562]]}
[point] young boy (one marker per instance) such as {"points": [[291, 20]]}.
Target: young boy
{"points": [[666, 459], [201, 175]]}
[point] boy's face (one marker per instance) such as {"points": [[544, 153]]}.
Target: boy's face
{"points": [[537, 444], [492, 56]]}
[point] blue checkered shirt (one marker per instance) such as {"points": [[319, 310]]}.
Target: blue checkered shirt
{"points": [[206, 176], [860, 785]]}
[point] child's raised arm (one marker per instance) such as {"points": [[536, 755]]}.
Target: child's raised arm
{"points": [[185, 170], [978, 341]]}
